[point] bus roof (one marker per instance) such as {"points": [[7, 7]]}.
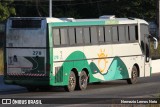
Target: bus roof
{"points": [[84, 22], [87, 22]]}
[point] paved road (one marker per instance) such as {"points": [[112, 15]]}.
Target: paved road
{"points": [[147, 87]]}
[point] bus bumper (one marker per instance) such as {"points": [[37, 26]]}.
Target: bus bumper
{"points": [[27, 82]]}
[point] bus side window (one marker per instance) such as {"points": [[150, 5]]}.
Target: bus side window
{"points": [[108, 37], [132, 33], [56, 36], [101, 34], [94, 33], [127, 33], [115, 34], [86, 35], [136, 31], [63, 33], [121, 32], [71, 32], [79, 38]]}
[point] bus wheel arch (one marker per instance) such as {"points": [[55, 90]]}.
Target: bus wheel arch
{"points": [[134, 74], [138, 70]]}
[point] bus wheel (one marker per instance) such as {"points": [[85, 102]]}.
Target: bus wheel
{"points": [[72, 82], [82, 82], [134, 76]]}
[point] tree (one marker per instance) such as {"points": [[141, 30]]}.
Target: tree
{"points": [[6, 9], [145, 9]]}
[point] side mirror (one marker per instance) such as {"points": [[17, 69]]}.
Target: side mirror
{"points": [[155, 43]]}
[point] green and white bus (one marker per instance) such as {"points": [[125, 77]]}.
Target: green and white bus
{"points": [[68, 52]]}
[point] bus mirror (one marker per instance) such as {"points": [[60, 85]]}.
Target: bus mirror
{"points": [[155, 43]]}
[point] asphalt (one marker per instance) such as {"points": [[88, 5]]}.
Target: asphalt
{"points": [[4, 87]]}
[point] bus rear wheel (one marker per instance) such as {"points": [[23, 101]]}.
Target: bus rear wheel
{"points": [[71, 83], [82, 81], [134, 76]]}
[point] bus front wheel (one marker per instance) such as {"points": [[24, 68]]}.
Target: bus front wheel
{"points": [[71, 83], [134, 76]]}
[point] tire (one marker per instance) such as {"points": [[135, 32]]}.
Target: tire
{"points": [[82, 81], [134, 76], [71, 82]]}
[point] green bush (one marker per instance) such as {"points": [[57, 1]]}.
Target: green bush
{"points": [[155, 54]]}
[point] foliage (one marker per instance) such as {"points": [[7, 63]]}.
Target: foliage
{"points": [[155, 54], [145, 9], [6, 9]]}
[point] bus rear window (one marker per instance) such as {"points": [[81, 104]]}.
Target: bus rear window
{"points": [[26, 23]]}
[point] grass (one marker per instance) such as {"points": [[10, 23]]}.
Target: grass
{"points": [[1, 62]]}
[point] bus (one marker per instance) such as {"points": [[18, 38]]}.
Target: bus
{"points": [[46, 52]]}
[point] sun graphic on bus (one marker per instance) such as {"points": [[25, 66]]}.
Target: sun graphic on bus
{"points": [[102, 62]]}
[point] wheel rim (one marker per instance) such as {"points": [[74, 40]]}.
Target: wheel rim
{"points": [[83, 81], [72, 82]]}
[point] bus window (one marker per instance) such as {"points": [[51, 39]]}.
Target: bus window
{"points": [[26, 23], [115, 34], [132, 33], [101, 34], [86, 34], [71, 32], [127, 33], [63, 33], [56, 37], [144, 30], [121, 32], [136, 31], [94, 35], [108, 37], [79, 39]]}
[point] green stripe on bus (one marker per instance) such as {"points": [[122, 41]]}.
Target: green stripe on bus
{"points": [[56, 24], [85, 23], [111, 22]]}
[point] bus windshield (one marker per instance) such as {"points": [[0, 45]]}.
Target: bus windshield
{"points": [[26, 33]]}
